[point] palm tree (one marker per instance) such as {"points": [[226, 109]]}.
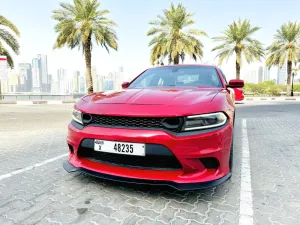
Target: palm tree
{"points": [[172, 39], [79, 25], [285, 49], [237, 39], [8, 39]]}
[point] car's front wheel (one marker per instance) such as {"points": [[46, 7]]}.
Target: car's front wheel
{"points": [[231, 157]]}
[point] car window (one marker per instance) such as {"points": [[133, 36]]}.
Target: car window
{"points": [[223, 75], [178, 76]]}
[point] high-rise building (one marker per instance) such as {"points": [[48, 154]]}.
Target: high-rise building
{"points": [[282, 75], [108, 85], [260, 74], [95, 79], [22, 83], [119, 78], [4, 86], [121, 73], [54, 85], [82, 84], [251, 77], [70, 85], [62, 81], [50, 78], [267, 73], [44, 79], [13, 81], [36, 78], [11, 84], [75, 80], [100, 83], [25, 77]]}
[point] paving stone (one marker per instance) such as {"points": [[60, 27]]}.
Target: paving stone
{"points": [[273, 167], [17, 215], [147, 221], [195, 223], [201, 207], [128, 209], [179, 221], [60, 217], [103, 220], [103, 210], [131, 220], [167, 215], [191, 216], [159, 204], [214, 216], [49, 195], [5, 221], [38, 216], [181, 205], [230, 217], [262, 218]]}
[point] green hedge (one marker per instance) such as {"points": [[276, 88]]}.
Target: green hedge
{"points": [[267, 88]]}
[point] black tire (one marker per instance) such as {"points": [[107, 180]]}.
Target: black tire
{"points": [[233, 120], [231, 149], [231, 157]]}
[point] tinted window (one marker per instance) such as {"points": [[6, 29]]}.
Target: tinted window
{"points": [[178, 76]]}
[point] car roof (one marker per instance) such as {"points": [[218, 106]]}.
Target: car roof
{"points": [[178, 65]]}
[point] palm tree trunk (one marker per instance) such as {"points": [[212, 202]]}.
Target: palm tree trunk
{"points": [[88, 60], [176, 59], [288, 80], [238, 65]]}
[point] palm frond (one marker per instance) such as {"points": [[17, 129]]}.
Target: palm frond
{"points": [[238, 38], [170, 37], [10, 61], [6, 23], [286, 45], [10, 40], [82, 20]]}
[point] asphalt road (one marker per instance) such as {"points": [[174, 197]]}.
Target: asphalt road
{"points": [[34, 188]]}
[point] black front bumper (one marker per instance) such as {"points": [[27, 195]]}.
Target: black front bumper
{"points": [[179, 186]]}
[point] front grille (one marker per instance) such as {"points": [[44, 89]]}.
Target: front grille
{"points": [[171, 124], [149, 162]]}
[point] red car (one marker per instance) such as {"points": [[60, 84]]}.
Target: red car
{"points": [[239, 94], [171, 125]]}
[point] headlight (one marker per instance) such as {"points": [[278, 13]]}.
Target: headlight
{"points": [[205, 121], [77, 116]]}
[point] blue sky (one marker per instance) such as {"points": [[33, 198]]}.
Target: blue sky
{"points": [[33, 18]]}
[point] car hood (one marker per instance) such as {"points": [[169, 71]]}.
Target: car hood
{"points": [[164, 96]]}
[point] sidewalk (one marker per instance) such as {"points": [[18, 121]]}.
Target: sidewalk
{"points": [[38, 102], [295, 98], [72, 101]]}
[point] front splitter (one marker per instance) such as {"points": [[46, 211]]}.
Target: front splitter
{"points": [[179, 186]]}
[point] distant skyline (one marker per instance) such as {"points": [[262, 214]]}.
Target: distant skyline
{"points": [[33, 18]]}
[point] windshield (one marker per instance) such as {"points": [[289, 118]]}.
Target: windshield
{"points": [[196, 76]]}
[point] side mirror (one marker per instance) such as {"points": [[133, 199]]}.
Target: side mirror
{"points": [[235, 83], [125, 85]]}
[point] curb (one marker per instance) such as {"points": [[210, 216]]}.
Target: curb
{"points": [[60, 102], [272, 99], [39, 102]]}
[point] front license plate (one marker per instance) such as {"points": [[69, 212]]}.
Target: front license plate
{"points": [[124, 148]]}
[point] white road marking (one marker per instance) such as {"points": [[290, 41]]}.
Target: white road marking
{"points": [[31, 167], [246, 207]]}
